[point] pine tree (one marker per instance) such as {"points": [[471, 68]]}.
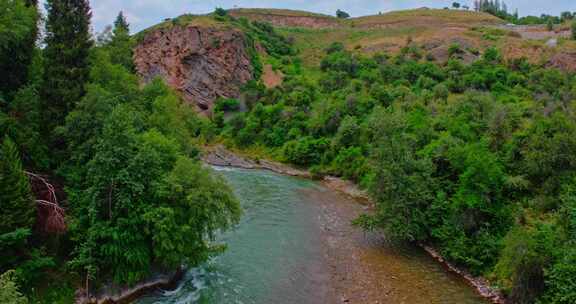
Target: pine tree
{"points": [[121, 45], [17, 208], [66, 57], [121, 24]]}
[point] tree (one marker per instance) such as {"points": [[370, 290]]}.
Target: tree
{"points": [[17, 205], [342, 14], [456, 5], [550, 25], [573, 29], [17, 208], [198, 204], [18, 33], [402, 183], [220, 12], [66, 57], [565, 16], [121, 45]]}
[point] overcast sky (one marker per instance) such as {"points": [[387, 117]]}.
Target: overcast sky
{"points": [[144, 13]]}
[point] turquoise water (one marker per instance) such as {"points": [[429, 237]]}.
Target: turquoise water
{"points": [[275, 255]]}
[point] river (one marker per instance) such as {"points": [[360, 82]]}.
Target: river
{"points": [[294, 244]]}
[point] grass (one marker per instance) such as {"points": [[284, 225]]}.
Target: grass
{"points": [[184, 20], [277, 12], [438, 16]]}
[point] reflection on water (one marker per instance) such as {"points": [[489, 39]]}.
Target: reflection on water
{"points": [[276, 256]]}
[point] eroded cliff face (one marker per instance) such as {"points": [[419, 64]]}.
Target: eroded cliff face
{"points": [[201, 63]]}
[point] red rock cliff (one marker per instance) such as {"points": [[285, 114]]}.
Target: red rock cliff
{"points": [[201, 63]]}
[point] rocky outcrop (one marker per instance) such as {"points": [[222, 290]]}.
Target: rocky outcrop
{"points": [[202, 63]]}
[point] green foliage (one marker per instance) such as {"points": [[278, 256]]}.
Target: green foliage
{"points": [[402, 185], [342, 14], [550, 25], [191, 190], [220, 12], [121, 45], [527, 253], [17, 206], [305, 151], [18, 33], [66, 57], [560, 279], [9, 293], [227, 105], [133, 166]]}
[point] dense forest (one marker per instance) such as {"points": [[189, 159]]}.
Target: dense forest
{"points": [[476, 159], [99, 177]]}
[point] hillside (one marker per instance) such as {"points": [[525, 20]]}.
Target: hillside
{"points": [[432, 31]]}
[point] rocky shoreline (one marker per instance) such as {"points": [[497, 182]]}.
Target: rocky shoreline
{"points": [[220, 156], [129, 295]]}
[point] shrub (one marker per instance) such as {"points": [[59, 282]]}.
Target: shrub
{"points": [[306, 151]]}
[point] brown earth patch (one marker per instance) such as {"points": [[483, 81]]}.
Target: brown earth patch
{"points": [[270, 77]]}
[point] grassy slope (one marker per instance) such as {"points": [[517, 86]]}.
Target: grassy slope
{"points": [[276, 12], [388, 32]]}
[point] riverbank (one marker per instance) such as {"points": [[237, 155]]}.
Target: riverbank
{"points": [[353, 262], [128, 295], [220, 156]]}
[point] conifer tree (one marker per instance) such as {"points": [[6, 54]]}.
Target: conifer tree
{"points": [[121, 45], [66, 57], [17, 207]]}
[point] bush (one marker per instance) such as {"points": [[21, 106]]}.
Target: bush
{"points": [[342, 14], [306, 151]]}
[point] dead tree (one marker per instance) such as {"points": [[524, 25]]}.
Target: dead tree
{"points": [[51, 216]]}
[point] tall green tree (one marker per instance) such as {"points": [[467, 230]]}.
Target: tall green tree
{"points": [[121, 45], [68, 44], [17, 209]]}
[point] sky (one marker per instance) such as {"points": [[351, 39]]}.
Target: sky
{"points": [[144, 13]]}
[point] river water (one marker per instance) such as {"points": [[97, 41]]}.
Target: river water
{"points": [[280, 254]]}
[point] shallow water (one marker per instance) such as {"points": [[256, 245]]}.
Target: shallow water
{"points": [[277, 255]]}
